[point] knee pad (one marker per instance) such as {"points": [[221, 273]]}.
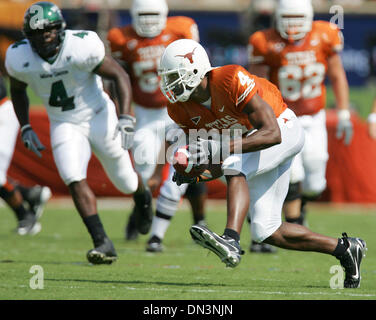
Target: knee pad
{"points": [[294, 192]]}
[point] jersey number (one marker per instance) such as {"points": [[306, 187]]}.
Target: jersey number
{"points": [[147, 76], [59, 97], [296, 82]]}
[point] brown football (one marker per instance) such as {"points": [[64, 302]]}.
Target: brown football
{"points": [[185, 167]]}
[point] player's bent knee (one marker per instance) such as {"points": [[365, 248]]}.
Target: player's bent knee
{"points": [[126, 182], [314, 188]]}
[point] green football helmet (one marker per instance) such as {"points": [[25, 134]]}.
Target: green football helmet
{"points": [[42, 17]]}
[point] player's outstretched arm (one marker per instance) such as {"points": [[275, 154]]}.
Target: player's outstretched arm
{"points": [[262, 118], [337, 77], [20, 102], [110, 69]]}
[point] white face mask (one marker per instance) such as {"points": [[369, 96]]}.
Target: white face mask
{"points": [[294, 18], [149, 25], [149, 17]]}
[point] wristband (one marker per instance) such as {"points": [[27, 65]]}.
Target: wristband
{"points": [[344, 114], [372, 117], [25, 127]]}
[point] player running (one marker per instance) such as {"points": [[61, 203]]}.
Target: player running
{"points": [[258, 175], [64, 68], [296, 55], [139, 47]]}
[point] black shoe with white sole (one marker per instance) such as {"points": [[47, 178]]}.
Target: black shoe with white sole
{"points": [[103, 254], [29, 225], [351, 260], [154, 244], [226, 248], [37, 198]]}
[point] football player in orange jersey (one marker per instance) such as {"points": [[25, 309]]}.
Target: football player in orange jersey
{"points": [[139, 47], [296, 55], [226, 100]]}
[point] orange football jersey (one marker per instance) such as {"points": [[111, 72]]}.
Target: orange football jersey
{"points": [[298, 69], [231, 88], [142, 56]]}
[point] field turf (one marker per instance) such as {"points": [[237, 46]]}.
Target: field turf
{"points": [[184, 271]]}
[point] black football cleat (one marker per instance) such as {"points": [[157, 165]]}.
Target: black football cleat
{"points": [[37, 199], [154, 245], [103, 254], [144, 212], [262, 248], [351, 260], [131, 232], [29, 225], [226, 248]]}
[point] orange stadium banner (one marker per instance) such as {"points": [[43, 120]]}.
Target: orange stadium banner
{"points": [[351, 170]]}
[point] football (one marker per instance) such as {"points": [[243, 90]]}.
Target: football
{"points": [[184, 167]]}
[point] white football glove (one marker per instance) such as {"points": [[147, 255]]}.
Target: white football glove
{"points": [[31, 140], [344, 126], [205, 151], [126, 126]]}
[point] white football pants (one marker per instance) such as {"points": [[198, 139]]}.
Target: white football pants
{"points": [[268, 175], [72, 145], [309, 166], [149, 139]]}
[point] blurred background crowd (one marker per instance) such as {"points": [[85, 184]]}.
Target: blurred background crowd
{"points": [[224, 29]]}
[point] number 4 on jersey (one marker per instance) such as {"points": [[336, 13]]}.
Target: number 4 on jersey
{"points": [[59, 97]]}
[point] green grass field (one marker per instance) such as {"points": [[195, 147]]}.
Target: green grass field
{"points": [[184, 271]]}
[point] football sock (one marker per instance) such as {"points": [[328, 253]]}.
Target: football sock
{"points": [[340, 248], [298, 220], [24, 191], [20, 212], [160, 224], [232, 234], [7, 192], [198, 219], [142, 199], [95, 228]]}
